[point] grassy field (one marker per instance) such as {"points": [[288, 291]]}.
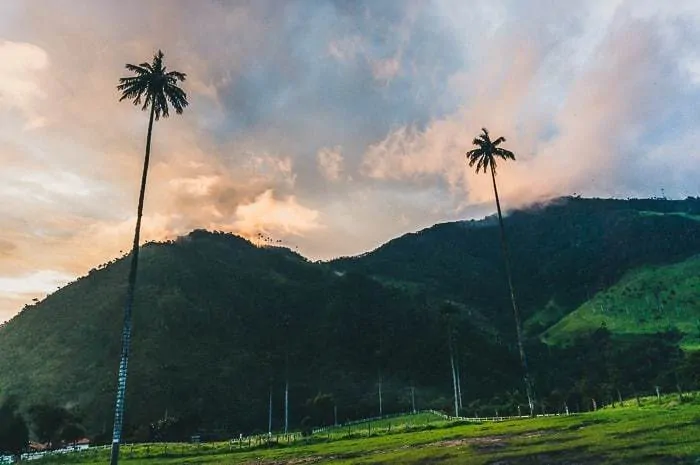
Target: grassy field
{"points": [[647, 300], [665, 432]]}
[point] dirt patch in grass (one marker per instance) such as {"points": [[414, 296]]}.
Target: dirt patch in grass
{"points": [[308, 460], [434, 460], [585, 423], [297, 461], [487, 443], [483, 444], [576, 456]]}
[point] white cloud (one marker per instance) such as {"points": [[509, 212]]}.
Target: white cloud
{"points": [[199, 186], [330, 162], [271, 216], [386, 69], [346, 49], [33, 283], [593, 99], [20, 67]]}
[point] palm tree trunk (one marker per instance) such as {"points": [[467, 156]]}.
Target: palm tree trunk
{"points": [[516, 312], [286, 405], [269, 416], [126, 330], [459, 381], [413, 399], [381, 406], [454, 378]]}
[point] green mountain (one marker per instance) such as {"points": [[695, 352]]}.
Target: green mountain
{"points": [[645, 301], [563, 253], [218, 322]]}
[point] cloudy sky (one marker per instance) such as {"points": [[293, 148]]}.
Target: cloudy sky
{"points": [[332, 126]]}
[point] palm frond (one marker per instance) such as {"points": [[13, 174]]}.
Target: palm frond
{"points": [[475, 153], [484, 157], [138, 69], [146, 101], [152, 85], [503, 153], [176, 75], [158, 61], [162, 110], [485, 135], [177, 98], [130, 79], [132, 91]]}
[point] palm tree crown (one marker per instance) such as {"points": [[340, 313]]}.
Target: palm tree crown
{"points": [[156, 84], [487, 152]]}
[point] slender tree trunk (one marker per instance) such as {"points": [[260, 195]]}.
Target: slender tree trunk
{"points": [[381, 407], [678, 387], [126, 330], [269, 416], [413, 399], [454, 378], [516, 312], [286, 406], [286, 386], [459, 381]]}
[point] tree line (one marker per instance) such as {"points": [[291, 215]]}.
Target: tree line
{"points": [[51, 426]]}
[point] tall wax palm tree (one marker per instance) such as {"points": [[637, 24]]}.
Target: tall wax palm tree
{"points": [[485, 156], [156, 88]]}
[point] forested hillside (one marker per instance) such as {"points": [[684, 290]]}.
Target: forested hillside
{"points": [[563, 253], [218, 322]]}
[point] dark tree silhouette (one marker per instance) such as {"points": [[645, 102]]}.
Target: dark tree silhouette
{"points": [[14, 434], [156, 88], [48, 421], [72, 432], [484, 157]]}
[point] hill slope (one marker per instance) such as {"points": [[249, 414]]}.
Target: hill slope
{"points": [[215, 321], [563, 253], [218, 321], [646, 300]]}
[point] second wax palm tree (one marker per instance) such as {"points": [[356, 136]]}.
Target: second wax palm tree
{"points": [[156, 88], [485, 157]]}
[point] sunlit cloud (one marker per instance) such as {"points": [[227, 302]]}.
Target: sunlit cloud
{"points": [[330, 162], [21, 64], [333, 126], [271, 216], [36, 282]]}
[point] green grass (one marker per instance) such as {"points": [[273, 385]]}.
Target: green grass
{"points": [[645, 301], [681, 214], [403, 422], [655, 433]]}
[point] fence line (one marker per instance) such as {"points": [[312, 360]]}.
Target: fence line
{"points": [[348, 429]]}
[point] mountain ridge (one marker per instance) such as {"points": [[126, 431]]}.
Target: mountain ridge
{"points": [[217, 318]]}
